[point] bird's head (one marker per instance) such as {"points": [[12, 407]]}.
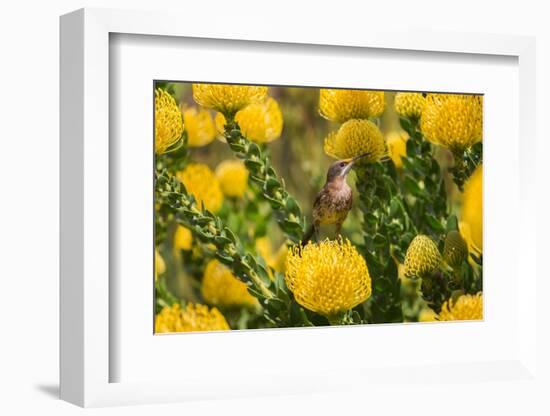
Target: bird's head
{"points": [[341, 168]]}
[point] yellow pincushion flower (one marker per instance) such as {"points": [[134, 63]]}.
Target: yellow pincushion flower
{"points": [[453, 120], [160, 266], [472, 208], [221, 288], [465, 231], [422, 257], [465, 308], [456, 249], [227, 99], [264, 248], [233, 178], [168, 121], [409, 104], [343, 105], [329, 278], [199, 126], [200, 181], [219, 122], [259, 122], [183, 238], [397, 147], [354, 138], [193, 318]]}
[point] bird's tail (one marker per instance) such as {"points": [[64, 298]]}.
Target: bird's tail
{"points": [[308, 234]]}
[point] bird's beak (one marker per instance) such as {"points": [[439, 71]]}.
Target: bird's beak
{"points": [[352, 161]]}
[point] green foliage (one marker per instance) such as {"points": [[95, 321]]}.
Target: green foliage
{"points": [[422, 184], [387, 231], [275, 298], [285, 207]]}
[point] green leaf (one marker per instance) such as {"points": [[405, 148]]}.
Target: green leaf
{"points": [[395, 207], [292, 206], [254, 150], [452, 223], [380, 240], [223, 257], [271, 183], [434, 223], [230, 235], [411, 185], [405, 125], [371, 218], [383, 284], [264, 275], [253, 165], [298, 315], [237, 147], [220, 240], [290, 226], [202, 221]]}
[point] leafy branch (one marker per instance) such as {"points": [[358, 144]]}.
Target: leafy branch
{"points": [[209, 228], [270, 290], [387, 231], [287, 211], [423, 182]]}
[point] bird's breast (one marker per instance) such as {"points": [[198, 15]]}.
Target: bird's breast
{"points": [[333, 205]]}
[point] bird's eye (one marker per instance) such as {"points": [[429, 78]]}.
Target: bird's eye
{"points": [[342, 164]]}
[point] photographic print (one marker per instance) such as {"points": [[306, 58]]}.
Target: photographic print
{"points": [[282, 207]]}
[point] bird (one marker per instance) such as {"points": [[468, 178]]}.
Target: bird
{"points": [[333, 202]]}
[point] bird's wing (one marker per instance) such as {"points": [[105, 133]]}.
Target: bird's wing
{"points": [[350, 200], [318, 197]]}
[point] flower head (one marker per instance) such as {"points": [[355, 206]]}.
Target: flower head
{"points": [[193, 318], [466, 233], [200, 181], [397, 147], [328, 278], [199, 127], [168, 121], [465, 308], [409, 104], [456, 249], [183, 239], [260, 122], [227, 99], [453, 120], [343, 105], [233, 178], [221, 288], [422, 257], [354, 138], [472, 208], [160, 266]]}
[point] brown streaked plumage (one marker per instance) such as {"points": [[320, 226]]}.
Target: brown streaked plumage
{"points": [[333, 202]]}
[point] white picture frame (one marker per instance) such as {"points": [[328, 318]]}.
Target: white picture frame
{"points": [[86, 355]]}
